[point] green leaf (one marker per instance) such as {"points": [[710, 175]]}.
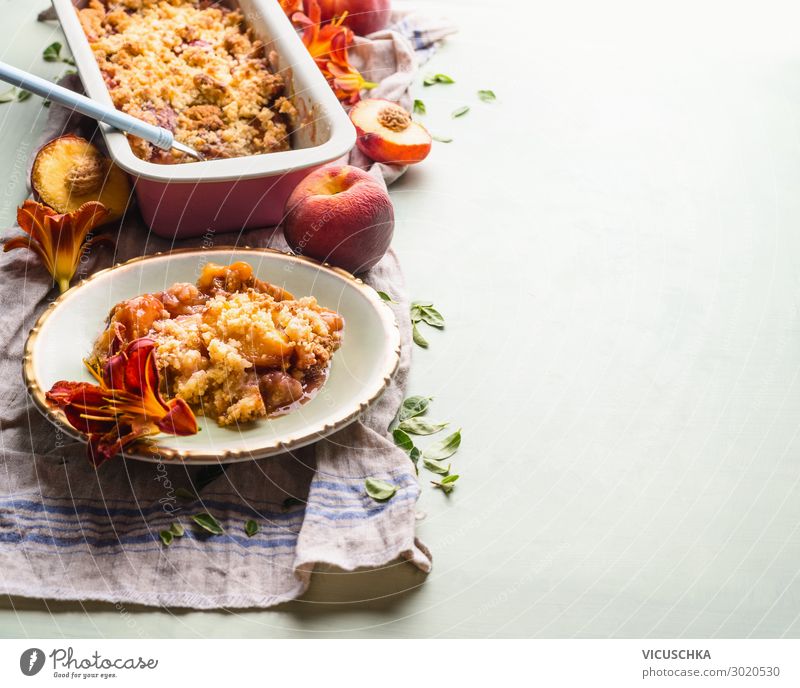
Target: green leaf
{"points": [[421, 304], [431, 316], [166, 537], [419, 107], [414, 455], [386, 297], [432, 79], [379, 490], [8, 96], [446, 483], [207, 522], [443, 448], [487, 96], [441, 139], [419, 340], [183, 493], [177, 529], [460, 112], [436, 466], [420, 426], [52, 53], [23, 95], [414, 406], [251, 528], [402, 440]]}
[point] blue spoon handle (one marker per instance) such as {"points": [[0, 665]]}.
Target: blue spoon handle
{"points": [[158, 136]]}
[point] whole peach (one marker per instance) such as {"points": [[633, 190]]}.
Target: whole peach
{"points": [[341, 215], [363, 16]]}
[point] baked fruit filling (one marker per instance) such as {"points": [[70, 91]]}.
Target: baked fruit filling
{"points": [[192, 67], [233, 347]]}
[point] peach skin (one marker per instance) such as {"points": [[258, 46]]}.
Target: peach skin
{"points": [[363, 16], [341, 215]]}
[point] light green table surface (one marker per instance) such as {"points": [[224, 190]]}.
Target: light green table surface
{"points": [[616, 246]]}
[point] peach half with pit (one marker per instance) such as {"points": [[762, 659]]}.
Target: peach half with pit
{"points": [[386, 132], [341, 215], [70, 171]]}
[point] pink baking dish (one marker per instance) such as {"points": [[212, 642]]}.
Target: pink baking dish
{"points": [[199, 198]]}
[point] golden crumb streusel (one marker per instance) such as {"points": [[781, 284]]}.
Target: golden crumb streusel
{"points": [[194, 68], [233, 347]]}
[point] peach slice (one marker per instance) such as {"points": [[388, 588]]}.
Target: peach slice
{"points": [[386, 132], [69, 171]]}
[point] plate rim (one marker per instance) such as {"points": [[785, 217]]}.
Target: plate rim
{"points": [[151, 451]]}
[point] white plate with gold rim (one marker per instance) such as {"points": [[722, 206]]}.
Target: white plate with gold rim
{"points": [[360, 372]]}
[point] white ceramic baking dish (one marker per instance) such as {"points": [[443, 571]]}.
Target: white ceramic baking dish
{"points": [[198, 198]]}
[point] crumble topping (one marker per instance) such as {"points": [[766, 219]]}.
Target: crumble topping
{"points": [[233, 347], [191, 67]]}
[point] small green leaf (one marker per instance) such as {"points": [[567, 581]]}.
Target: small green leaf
{"points": [[8, 96], [386, 297], [166, 537], [379, 490], [177, 529], [402, 440], [436, 466], [431, 316], [420, 426], [207, 522], [414, 406], [251, 528], [414, 455], [419, 340], [443, 448], [183, 493], [441, 139], [460, 112], [487, 96], [421, 304], [446, 483], [23, 95], [432, 79], [419, 107], [52, 53]]}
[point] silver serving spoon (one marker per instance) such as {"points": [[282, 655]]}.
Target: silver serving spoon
{"points": [[158, 136]]}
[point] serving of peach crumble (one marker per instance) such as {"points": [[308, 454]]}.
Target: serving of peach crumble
{"points": [[192, 67], [233, 347]]}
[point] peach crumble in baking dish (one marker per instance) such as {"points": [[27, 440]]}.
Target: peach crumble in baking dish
{"points": [[233, 347], [192, 67]]}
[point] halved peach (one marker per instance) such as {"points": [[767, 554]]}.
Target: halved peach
{"points": [[69, 171], [386, 132]]}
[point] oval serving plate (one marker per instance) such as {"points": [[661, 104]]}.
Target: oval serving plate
{"points": [[360, 371]]}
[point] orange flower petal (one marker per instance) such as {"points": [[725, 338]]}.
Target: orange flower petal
{"points": [[59, 238]]}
